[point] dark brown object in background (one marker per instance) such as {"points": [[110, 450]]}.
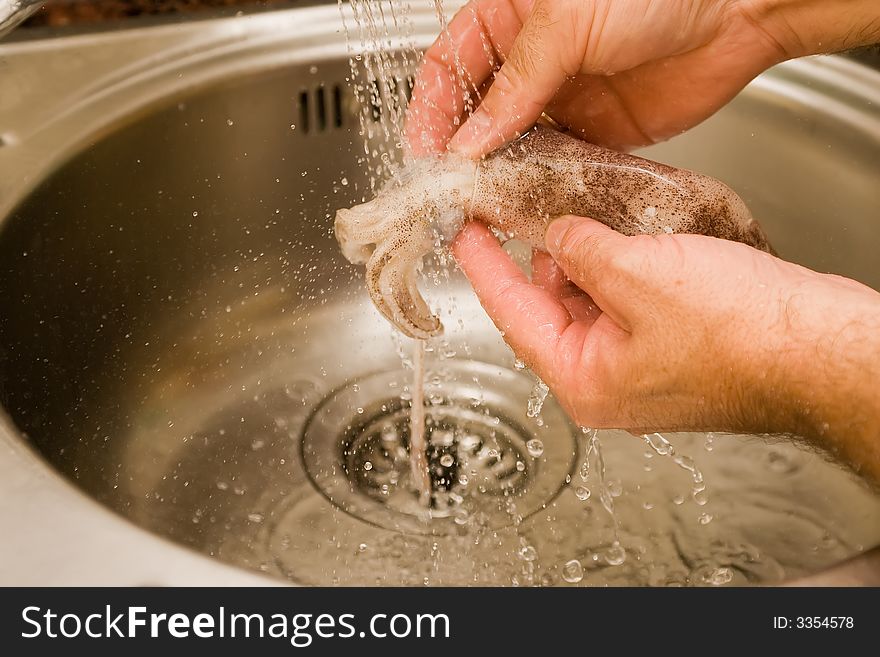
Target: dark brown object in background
{"points": [[67, 12]]}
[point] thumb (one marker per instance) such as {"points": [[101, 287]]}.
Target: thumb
{"points": [[600, 261], [541, 59]]}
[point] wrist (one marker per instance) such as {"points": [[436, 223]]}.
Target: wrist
{"points": [[830, 370], [811, 27]]}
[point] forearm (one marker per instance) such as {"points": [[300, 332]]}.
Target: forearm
{"points": [[833, 374], [810, 27]]}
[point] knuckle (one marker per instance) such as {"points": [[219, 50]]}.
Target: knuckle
{"points": [[523, 67], [625, 261], [509, 79], [534, 45], [632, 257], [587, 250], [542, 14], [579, 241]]}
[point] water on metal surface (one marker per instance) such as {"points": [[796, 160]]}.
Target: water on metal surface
{"points": [[194, 352]]}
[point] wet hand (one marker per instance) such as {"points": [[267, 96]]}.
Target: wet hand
{"points": [[620, 73], [684, 332]]}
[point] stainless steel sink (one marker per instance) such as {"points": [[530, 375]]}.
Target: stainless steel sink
{"points": [[192, 375]]}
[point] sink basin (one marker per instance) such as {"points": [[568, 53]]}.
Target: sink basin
{"points": [[197, 388]]}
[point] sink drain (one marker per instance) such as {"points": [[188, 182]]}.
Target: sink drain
{"points": [[356, 449], [466, 450]]}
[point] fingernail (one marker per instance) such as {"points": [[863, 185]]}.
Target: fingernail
{"points": [[556, 233], [471, 134]]}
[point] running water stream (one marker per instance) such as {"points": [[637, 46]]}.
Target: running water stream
{"points": [[377, 64], [418, 447]]}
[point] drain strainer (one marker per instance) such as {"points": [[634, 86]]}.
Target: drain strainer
{"points": [[482, 454]]}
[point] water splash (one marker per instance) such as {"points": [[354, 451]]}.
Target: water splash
{"points": [[593, 469], [662, 447], [536, 401], [381, 57], [379, 67], [573, 571], [381, 53]]}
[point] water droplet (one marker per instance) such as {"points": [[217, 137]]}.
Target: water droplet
{"points": [[446, 460], [573, 571], [615, 555], [709, 444], [195, 213], [368, 466], [705, 518], [536, 399], [582, 493], [519, 365], [659, 444], [230, 122], [362, 547], [256, 517], [528, 553], [535, 447], [584, 470], [718, 576], [780, 463]]}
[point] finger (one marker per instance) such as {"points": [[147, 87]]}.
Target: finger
{"points": [[457, 66], [541, 59], [600, 261], [582, 308], [530, 318], [547, 275]]}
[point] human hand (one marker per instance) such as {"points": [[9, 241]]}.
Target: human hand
{"points": [[619, 73], [685, 332]]}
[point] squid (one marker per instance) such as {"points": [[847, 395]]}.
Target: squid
{"points": [[517, 190]]}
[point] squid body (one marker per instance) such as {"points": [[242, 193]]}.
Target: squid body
{"points": [[517, 190]]}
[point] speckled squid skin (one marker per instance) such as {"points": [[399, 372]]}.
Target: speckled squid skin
{"points": [[518, 189]]}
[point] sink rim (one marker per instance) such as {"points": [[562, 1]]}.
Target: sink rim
{"points": [[127, 72]]}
